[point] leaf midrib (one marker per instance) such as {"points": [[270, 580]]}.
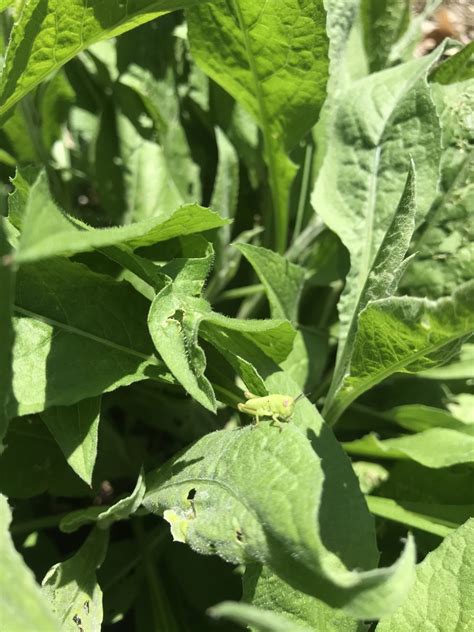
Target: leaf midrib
{"points": [[85, 334]]}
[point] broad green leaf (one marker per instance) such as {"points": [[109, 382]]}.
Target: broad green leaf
{"points": [[433, 518], [76, 429], [105, 517], [404, 335], [48, 34], [175, 320], [457, 68], [280, 80], [441, 597], [71, 587], [416, 418], [307, 360], [445, 242], [7, 284], [423, 447], [384, 22], [32, 463], [341, 16], [48, 232], [261, 620], [160, 98], [227, 510], [381, 281], [78, 334], [373, 138], [283, 281], [265, 590], [145, 187], [22, 606]]}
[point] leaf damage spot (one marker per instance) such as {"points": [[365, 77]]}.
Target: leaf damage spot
{"points": [[179, 522]]}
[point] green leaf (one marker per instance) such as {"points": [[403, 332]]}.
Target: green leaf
{"points": [[416, 418], [83, 328], [341, 16], [422, 447], [48, 34], [22, 606], [445, 241], [384, 22], [241, 514], [175, 321], [265, 590], [441, 597], [373, 138], [280, 80], [76, 429], [71, 587], [459, 369], [260, 620], [433, 518], [32, 463], [105, 517], [48, 232], [404, 335], [381, 281], [7, 284], [459, 67], [283, 281]]}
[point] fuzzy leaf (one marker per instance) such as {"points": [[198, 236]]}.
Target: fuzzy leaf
{"points": [[83, 328], [226, 511], [441, 597], [422, 447], [48, 232], [267, 591], [404, 335], [283, 281], [22, 606], [50, 33], [374, 137], [105, 517], [280, 80], [71, 587], [381, 281]]}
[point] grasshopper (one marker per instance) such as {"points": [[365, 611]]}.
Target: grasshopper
{"points": [[279, 408]]}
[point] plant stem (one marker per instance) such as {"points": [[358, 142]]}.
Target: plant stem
{"points": [[303, 190], [240, 292]]}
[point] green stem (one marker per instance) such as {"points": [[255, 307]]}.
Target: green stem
{"points": [[308, 156], [240, 292]]}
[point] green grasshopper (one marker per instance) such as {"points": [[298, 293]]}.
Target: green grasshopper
{"points": [[279, 408]]}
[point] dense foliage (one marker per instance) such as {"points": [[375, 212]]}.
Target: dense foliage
{"points": [[207, 202]]}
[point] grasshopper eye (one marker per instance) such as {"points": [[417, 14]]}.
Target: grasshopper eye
{"points": [[286, 403]]}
